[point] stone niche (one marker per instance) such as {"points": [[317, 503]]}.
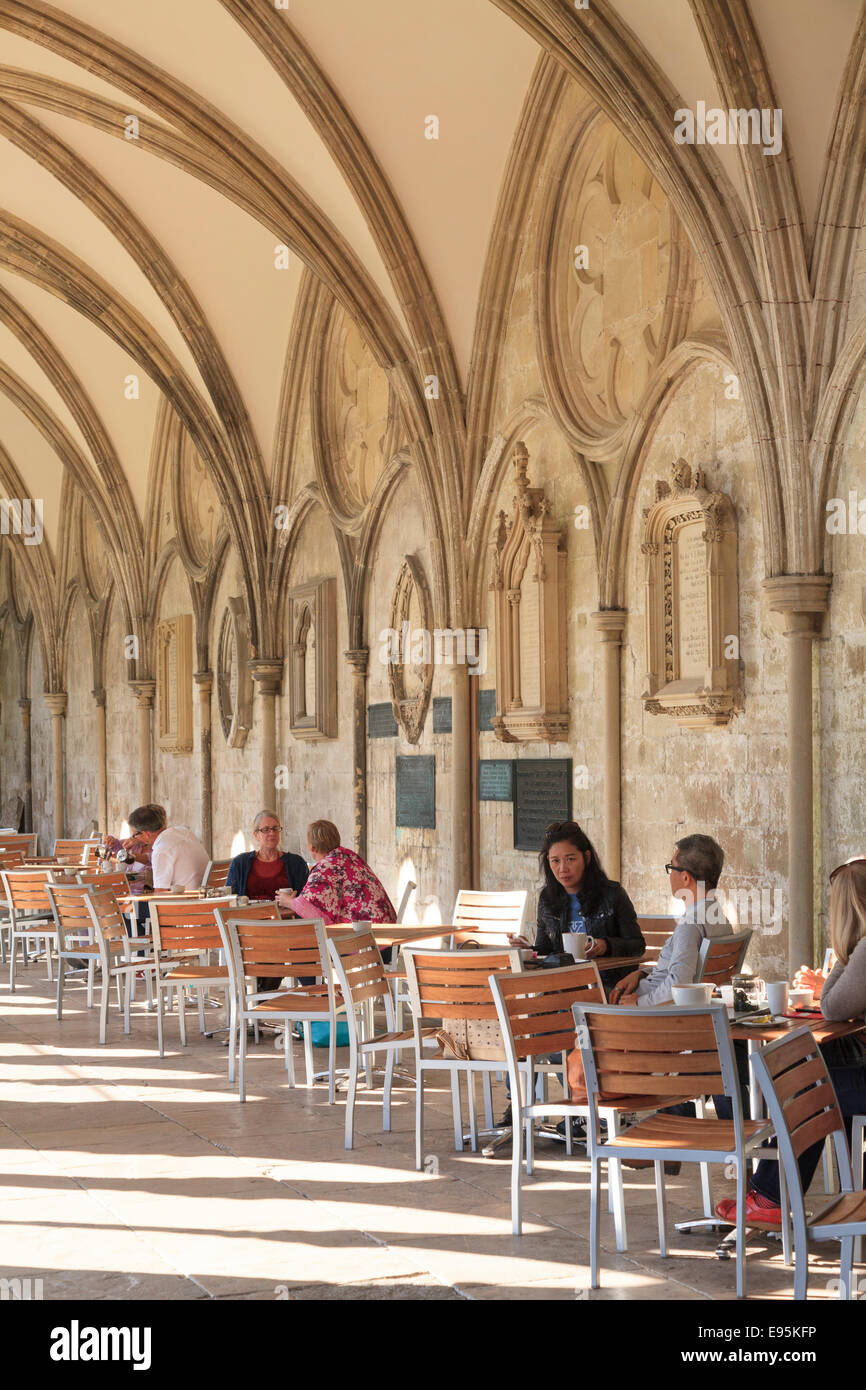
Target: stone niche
{"points": [[528, 575], [174, 684], [692, 603], [234, 683], [313, 682], [410, 668]]}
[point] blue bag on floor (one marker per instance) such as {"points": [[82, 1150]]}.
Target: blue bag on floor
{"points": [[321, 1034]]}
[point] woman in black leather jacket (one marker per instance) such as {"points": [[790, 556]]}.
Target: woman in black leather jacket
{"points": [[578, 896]]}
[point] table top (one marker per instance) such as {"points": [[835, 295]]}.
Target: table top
{"points": [[821, 1028]]}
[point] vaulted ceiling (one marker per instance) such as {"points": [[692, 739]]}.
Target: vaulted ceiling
{"points": [[154, 256]]}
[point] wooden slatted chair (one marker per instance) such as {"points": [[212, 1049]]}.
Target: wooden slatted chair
{"points": [[30, 915], [490, 919], [670, 1054], [259, 912], [655, 930], [116, 959], [113, 882], [21, 844], [74, 851], [454, 986], [279, 950], [720, 958], [184, 931], [362, 980], [11, 859], [216, 874], [803, 1109], [535, 1015]]}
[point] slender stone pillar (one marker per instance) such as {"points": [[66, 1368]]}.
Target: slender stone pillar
{"points": [[101, 760], [609, 624], [802, 599], [461, 779], [268, 675], [144, 693], [358, 659], [204, 681], [57, 701], [24, 706]]}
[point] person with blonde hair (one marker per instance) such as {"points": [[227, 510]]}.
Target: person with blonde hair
{"points": [[341, 887], [842, 997], [260, 873]]}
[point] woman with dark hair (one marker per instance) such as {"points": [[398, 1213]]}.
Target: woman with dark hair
{"points": [[578, 896]]}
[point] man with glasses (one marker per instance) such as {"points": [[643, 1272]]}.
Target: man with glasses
{"points": [[695, 870]]}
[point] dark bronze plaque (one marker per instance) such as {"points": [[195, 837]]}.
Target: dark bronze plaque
{"points": [[381, 722], [486, 710], [416, 792], [542, 793], [442, 714], [496, 779]]}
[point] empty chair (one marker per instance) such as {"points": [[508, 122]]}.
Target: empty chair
{"points": [[277, 950], [488, 918], [803, 1108], [361, 979], [655, 930], [666, 1055], [454, 986], [216, 873], [21, 844], [184, 932], [720, 958], [30, 916], [115, 959], [75, 851], [258, 912]]}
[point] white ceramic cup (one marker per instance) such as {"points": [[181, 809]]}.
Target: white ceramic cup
{"points": [[692, 995], [777, 996], [576, 944], [801, 998]]}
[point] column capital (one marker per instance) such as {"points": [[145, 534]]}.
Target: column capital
{"points": [[99, 697], [144, 692], [57, 701], [609, 623], [358, 657], [267, 672], [802, 598], [204, 681]]}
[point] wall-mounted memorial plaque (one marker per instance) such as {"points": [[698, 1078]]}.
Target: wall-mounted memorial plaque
{"points": [[416, 792], [174, 684], [442, 714], [527, 576], [381, 722], [542, 793], [690, 544], [313, 664], [495, 779], [486, 710]]}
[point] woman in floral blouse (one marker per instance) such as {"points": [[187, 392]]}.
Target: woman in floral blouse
{"points": [[341, 887]]}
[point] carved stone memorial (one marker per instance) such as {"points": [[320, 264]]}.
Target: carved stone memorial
{"points": [[410, 676], [313, 684], [174, 684], [234, 683], [528, 564], [690, 544]]}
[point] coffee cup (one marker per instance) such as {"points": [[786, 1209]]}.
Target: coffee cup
{"points": [[576, 944], [178, 888], [777, 996], [801, 998]]}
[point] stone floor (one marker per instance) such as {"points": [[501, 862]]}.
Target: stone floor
{"points": [[127, 1177]]}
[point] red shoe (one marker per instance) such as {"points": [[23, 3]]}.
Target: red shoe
{"points": [[768, 1215]]}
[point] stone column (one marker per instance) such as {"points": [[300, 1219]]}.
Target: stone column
{"points": [[56, 701], [609, 624], [358, 659], [24, 706], [802, 599], [101, 760], [461, 779], [144, 693], [204, 681], [268, 675]]}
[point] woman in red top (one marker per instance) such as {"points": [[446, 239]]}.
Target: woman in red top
{"points": [[262, 873]]}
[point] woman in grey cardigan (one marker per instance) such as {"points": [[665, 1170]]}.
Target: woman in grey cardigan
{"points": [[843, 996]]}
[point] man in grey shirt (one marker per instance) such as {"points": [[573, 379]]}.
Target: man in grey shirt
{"points": [[695, 870]]}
